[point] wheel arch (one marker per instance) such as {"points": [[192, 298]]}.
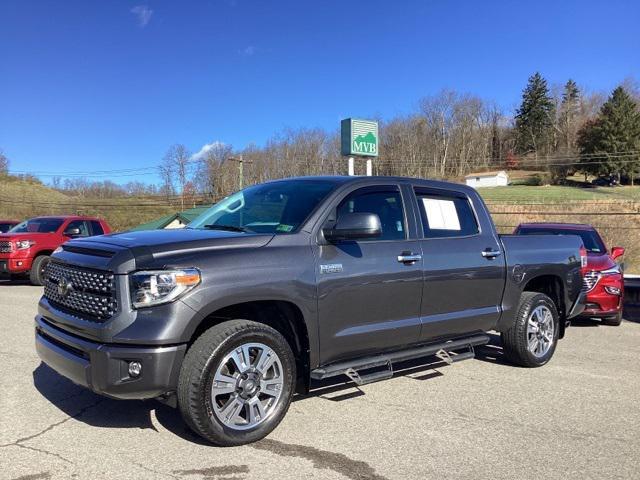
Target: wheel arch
{"points": [[552, 286], [282, 315]]}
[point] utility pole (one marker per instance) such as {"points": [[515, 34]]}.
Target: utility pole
{"points": [[239, 160]]}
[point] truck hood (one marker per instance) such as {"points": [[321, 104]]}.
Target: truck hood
{"points": [[127, 251]]}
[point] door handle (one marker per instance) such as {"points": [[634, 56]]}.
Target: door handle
{"points": [[409, 258], [488, 253]]}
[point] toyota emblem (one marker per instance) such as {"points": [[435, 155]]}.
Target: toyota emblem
{"points": [[64, 287]]}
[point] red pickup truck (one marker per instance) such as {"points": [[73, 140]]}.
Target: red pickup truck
{"points": [[27, 247]]}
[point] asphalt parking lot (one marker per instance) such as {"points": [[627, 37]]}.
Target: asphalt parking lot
{"points": [[578, 417]]}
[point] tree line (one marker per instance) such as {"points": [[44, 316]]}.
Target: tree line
{"points": [[562, 130]]}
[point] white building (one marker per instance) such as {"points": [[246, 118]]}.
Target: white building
{"points": [[487, 179]]}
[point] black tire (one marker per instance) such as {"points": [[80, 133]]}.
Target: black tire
{"points": [[613, 321], [198, 370], [37, 270], [515, 341]]}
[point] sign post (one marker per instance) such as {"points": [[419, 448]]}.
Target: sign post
{"points": [[359, 138]]}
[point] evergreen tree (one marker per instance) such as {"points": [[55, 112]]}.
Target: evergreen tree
{"points": [[535, 118], [567, 128], [569, 112], [616, 131]]}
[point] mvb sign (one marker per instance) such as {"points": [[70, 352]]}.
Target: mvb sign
{"points": [[359, 137]]}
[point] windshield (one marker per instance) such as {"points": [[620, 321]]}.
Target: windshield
{"points": [[278, 207], [5, 227], [38, 225], [590, 239]]}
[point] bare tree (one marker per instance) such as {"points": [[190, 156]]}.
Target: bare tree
{"points": [[175, 165]]}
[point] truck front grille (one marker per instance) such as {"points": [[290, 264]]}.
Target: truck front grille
{"points": [[589, 281], [87, 293], [5, 246]]}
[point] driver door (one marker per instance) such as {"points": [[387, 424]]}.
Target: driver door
{"points": [[368, 299]]}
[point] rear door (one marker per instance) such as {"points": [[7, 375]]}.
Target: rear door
{"points": [[368, 299], [463, 265]]}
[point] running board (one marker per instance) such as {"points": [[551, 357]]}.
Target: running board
{"points": [[445, 351]]}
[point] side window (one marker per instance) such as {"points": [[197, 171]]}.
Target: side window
{"points": [[79, 224], [386, 203], [96, 228], [446, 216]]}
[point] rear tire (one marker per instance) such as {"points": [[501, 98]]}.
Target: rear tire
{"points": [[531, 340], [612, 321], [236, 382], [36, 274]]}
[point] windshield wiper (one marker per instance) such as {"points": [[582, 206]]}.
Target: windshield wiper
{"points": [[228, 228]]}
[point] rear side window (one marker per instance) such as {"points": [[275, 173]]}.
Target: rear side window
{"points": [[385, 202], [96, 228], [445, 216]]}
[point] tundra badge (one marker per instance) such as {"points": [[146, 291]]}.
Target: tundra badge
{"points": [[331, 268]]}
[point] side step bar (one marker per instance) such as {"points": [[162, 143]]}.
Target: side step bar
{"points": [[441, 350]]}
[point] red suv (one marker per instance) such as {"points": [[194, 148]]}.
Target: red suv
{"points": [[27, 246], [603, 279]]}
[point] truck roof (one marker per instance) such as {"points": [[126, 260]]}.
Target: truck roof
{"points": [[344, 179]]}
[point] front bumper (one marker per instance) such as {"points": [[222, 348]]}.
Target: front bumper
{"points": [[600, 303], [103, 368], [11, 263]]}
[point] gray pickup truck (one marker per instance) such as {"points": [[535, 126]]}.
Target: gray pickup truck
{"points": [[299, 280]]}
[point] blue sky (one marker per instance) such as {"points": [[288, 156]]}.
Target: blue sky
{"points": [[96, 85]]}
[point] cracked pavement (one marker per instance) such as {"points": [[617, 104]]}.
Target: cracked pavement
{"points": [[578, 417]]}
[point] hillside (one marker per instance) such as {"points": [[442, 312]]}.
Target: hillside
{"points": [[22, 199]]}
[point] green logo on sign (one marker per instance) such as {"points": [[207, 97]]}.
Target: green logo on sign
{"points": [[365, 144], [359, 137]]}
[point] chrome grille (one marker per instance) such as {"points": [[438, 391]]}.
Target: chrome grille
{"points": [[90, 293], [5, 246], [589, 281]]}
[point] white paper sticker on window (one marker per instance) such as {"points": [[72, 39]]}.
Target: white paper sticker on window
{"points": [[441, 214]]}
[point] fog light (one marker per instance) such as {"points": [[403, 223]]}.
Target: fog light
{"points": [[613, 290], [19, 263], [135, 369]]}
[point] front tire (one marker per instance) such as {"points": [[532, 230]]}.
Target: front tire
{"points": [[531, 340], [36, 274], [236, 382]]}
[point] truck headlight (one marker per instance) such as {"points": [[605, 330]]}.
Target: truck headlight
{"points": [[24, 244], [155, 287]]}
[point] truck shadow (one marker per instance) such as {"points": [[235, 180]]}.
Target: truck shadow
{"points": [[13, 282], [94, 410]]}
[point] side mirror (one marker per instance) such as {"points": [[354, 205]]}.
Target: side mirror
{"points": [[72, 232], [617, 252], [354, 226]]}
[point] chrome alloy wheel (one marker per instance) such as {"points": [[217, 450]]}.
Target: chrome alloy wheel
{"points": [[247, 386], [540, 331]]}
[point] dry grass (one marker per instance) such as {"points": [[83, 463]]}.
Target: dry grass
{"points": [[20, 200], [615, 229]]}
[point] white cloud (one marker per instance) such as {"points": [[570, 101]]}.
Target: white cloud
{"points": [[143, 13], [248, 51], [207, 147]]}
